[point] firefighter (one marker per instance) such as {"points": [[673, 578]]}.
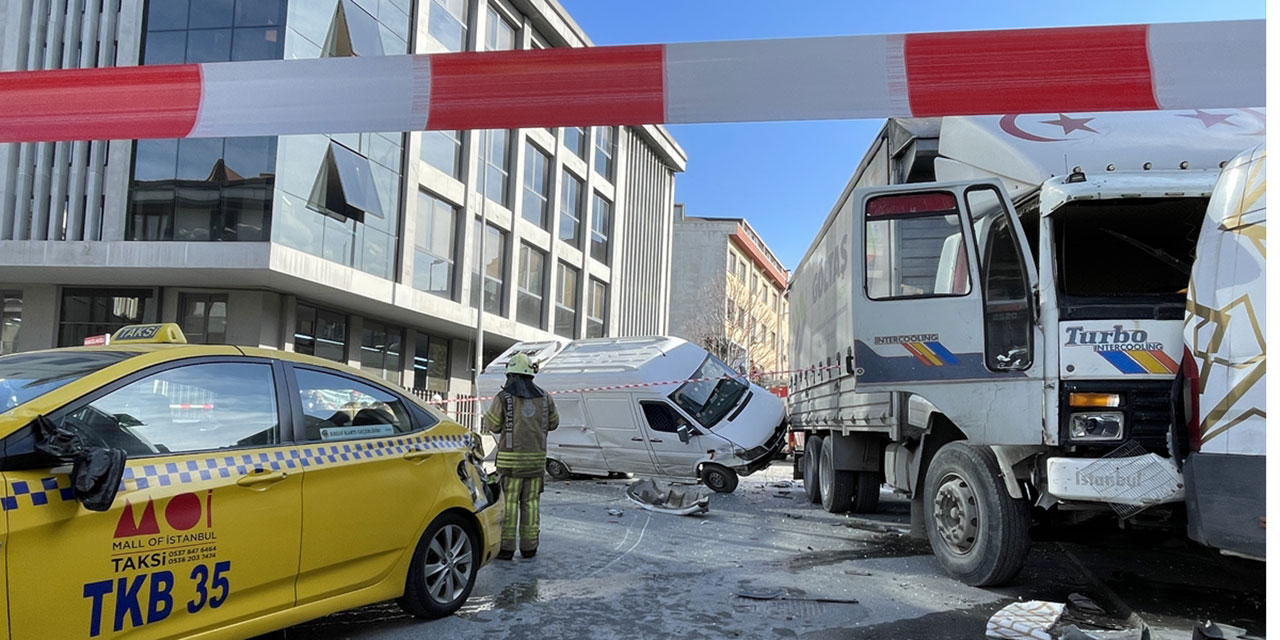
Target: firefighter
{"points": [[521, 415]]}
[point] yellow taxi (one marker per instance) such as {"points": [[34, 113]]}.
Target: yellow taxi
{"points": [[159, 489]]}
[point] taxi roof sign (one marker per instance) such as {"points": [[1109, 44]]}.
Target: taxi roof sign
{"points": [[164, 333]]}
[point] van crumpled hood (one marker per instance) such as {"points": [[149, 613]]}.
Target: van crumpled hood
{"points": [[754, 424]]}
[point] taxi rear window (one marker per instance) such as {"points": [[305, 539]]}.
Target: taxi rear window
{"points": [[27, 376]]}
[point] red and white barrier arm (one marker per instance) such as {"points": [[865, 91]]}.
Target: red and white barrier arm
{"points": [[1112, 68]]}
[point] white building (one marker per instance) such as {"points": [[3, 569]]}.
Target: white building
{"points": [[363, 248]]}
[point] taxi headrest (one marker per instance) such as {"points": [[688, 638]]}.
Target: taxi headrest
{"points": [[163, 333]]}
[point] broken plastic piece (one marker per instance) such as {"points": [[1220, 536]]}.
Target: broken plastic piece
{"points": [[781, 594], [679, 500], [1025, 620], [1072, 632], [617, 513], [1085, 604]]}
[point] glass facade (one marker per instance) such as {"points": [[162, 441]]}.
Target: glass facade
{"points": [[601, 225], [571, 209], [597, 302], [575, 140], [321, 333], [211, 188], [10, 320], [567, 302], [537, 184], [435, 245], [380, 347], [431, 364], [92, 312], [495, 269], [495, 162], [443, 150], [532, 287], [362, 228], [447, 23], [606, 149], [203, 317]]}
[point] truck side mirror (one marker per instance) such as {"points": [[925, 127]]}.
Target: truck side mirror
{"points": [[682, 432]]}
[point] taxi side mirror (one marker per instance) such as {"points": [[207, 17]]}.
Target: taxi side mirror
{"points": [[682, 432], [96, 472]]}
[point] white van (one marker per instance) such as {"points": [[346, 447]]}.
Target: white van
{"points": [[651, 406]]}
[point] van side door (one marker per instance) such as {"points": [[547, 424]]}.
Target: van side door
{"points": [[944, 306], [618, 430], [574, 442], [661, 421]]}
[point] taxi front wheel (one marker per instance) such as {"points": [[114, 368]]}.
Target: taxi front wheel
{"points": [[443, 569]]}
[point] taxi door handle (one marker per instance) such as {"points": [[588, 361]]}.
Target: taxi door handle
{"points": [[418, 455], [255, 479]]}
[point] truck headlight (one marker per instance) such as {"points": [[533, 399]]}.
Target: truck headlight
{"points": [[1097, 425]]}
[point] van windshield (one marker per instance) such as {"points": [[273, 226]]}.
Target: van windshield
{"points": [[27, 376], [714, 390]]}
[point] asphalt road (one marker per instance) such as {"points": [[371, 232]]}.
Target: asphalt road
{"points": [[649, 575]]}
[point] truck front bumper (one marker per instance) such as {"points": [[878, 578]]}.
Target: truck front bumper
{"points": [[1139, 481]]}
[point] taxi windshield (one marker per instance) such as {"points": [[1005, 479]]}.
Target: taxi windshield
{"points": [[26, 376], [714, 390]]}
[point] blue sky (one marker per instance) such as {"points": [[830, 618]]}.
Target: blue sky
{"points": [[785, 177]]}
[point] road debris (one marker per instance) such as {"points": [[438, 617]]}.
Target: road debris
{"points": [[1025, 620], [781, 594], [617, 513], [1085, 604], [1072, 632], [794, 516], [666, 498]]}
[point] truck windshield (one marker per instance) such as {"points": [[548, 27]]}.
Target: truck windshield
{"points": [[1130, 257], [715, 390], [27, 376]]}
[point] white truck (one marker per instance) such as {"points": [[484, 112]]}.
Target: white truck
{"points": [[990, 320]]}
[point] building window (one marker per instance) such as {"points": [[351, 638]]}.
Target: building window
{"points": [[597, 302], [212, 188], [495, 161], [203, 317], [537, 184], [575, 140], [755, 283], [447, 23], [501, 36], [380, 350], [98, 311], [571, 209], [431, 364], [435, 245], [321, 333], [494, 268], [532, 288], [606, 147], [443, 150], [601, 223], [344, 188], [733, 261], [10, 320], [567, 302]]}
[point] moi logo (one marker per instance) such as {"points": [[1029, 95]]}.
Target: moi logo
{"points": [[182, 512]]}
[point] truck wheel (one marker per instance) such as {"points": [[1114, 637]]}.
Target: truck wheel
{"points": [[837, 486], [866, 498], [719, 479], [979, 533], [812, 451], [557, 470]]}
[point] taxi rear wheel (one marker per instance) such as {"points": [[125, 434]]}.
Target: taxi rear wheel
{"points": [[443, 570]]}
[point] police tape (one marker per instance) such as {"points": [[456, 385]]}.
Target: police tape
{"points": [[759, 375]]}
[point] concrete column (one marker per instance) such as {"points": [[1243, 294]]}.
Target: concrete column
{"points": [[39, 318], [407, 349], [355, 332]]}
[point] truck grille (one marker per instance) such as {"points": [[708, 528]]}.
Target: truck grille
{"points": [[1148, 412]]}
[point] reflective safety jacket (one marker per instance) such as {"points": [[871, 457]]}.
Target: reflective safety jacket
{"points": [[521, 425]]}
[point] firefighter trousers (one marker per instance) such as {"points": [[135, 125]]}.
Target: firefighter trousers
{"points": [[521, 498]]}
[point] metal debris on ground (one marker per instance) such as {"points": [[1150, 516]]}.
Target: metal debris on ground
{"points": [[1218, 631], [781, 594], [794, 516], [668, 498], [1085, 604], [1025, 620], [617, 513], [1072, 632]]}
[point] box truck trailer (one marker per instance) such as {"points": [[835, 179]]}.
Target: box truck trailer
{"points": [[990, 321]]}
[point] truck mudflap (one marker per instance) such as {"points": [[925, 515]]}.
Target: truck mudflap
{"points": [[760, 457], [1132, 482]]}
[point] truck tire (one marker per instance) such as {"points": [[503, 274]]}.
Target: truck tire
{"points": [[812, 451], [866, 498], [837, 486], [719, 479], [979, 533]]}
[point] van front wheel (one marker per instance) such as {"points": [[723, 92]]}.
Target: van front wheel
{"points": [[719, 479]]}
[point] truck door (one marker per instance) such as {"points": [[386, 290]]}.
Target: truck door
{"points": [[944, 306]]}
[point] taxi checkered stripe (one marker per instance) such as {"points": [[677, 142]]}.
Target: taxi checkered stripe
{"points": [[146, 476]]}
